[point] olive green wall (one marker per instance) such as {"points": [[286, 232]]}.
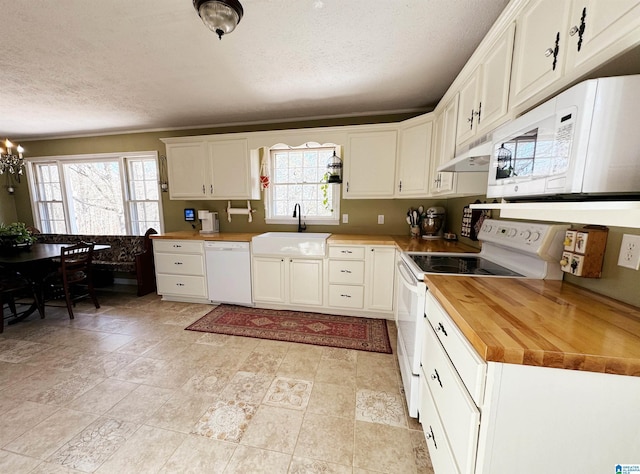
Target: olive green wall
{"points": [[620, 283]]}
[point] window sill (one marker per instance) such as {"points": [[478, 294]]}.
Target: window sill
{"points": [[304, 221]]}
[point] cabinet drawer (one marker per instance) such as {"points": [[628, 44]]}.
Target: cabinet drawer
{"points": [[459, 415], [183, 285], [439, 450], [346, 252], [346, 271], [346, 296], [178, 246], [471, 367], [179, 264]]}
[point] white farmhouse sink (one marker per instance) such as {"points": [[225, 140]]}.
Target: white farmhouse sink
{"points": [[290, 244]]}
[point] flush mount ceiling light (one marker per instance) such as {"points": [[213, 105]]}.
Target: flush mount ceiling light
{"points": [[220, 16]]}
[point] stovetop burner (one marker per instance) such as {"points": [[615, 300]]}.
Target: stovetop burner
{"points": [[461, 265]]}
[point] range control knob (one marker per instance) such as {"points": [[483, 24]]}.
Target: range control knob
{"points": [[526, 234], [487, 228], [535, 236], [512, 232]]}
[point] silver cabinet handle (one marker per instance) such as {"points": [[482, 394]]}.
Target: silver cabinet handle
{"points": [[179, 284], [436, 376], [430, 436], [346, 251], [573, 30], [345, 271], [177, 246], [212, 189], [441, 329], [203, 190], [548, 52], [346, 296], [177, 263]]}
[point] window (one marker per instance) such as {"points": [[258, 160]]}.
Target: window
{"points": [[298, 176], [96, 194]]}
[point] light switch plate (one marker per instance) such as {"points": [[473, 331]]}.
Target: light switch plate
{"points": [[345, 218], [380, 218], [630, 252]]}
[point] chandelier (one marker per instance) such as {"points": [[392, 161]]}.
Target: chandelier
{"points": [[10, 163], [220, 16]]}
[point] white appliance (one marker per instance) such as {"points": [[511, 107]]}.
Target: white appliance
{"points": [[210, 222], [228, 272], [583, 141], [510, 249]]}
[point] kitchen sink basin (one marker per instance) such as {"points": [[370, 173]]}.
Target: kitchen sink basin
{"points": [[290, 244]]}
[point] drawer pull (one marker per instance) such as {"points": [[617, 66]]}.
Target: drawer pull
{"points": [[177, 263], [179, 284], [431, 437], [345, 271], [177, 246], [346, 296], [442, 329], [436, 376], [346, 251]]}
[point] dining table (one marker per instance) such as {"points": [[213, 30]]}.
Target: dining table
{"points": [[35, 263]]}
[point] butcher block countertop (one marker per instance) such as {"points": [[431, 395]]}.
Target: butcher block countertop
{"points": [[542, 323], [195, 235], [407, 244]]}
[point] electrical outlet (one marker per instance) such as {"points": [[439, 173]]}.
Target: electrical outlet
{"points": [[630, 252], [345, 218], [380, 219]]}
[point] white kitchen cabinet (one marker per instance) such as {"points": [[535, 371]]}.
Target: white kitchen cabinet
{"points": [[188, 169], [234, 174], [180, 270], [414, 157], [445, 148], [497, 418], [369, 164], [268, 279], [362, 277], [553, 39], [484, 96], [380, 277], [599, 28], [287, 281], [208, 168]]}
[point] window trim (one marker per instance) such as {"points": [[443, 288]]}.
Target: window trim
{"points": [[121, 158], [266, 154]]}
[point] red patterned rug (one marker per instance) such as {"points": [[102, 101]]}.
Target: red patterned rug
{"points": [[345, 332]]}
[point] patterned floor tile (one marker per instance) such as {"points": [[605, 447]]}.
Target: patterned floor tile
{"points": [[289, 393], [94, 445], [16, 351], [380, 407], [247, 387], [226, 420]]}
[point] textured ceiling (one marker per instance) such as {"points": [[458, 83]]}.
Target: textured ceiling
{"points": [[82, 67]]}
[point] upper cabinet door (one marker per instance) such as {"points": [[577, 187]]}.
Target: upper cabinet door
{"points": [[445, 148], [369, 165], [414, 159], [539, 49], [469, 108], [232, 173], [495, 75], [598, 26], [188, 169]]}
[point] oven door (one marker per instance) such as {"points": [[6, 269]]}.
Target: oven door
{"points": [[410, 299]]}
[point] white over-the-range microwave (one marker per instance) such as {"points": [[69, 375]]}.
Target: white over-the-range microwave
{"points": [[585, 141]]}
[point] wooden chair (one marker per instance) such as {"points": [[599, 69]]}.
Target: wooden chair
{"points": [[14, 286], [73, 274]]}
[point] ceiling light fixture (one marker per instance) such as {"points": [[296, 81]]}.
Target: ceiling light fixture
{"points": [[10, 163], [220, 16]]}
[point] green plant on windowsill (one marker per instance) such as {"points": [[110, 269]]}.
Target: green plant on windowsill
{"points": [[15, 235]]}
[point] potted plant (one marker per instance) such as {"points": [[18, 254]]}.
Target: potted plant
{"points": [[15, 236]]}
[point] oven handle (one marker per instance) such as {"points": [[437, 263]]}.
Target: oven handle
{"points": [[407, 278]]}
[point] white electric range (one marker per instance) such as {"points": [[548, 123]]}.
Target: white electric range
{"points": [[510, 249]]}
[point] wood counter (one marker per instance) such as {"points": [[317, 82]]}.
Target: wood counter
{"points": [[542, 323]]}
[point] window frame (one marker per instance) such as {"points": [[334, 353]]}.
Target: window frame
{"points": [[313, 220], [123, 167]]}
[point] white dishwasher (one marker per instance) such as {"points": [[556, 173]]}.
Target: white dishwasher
{"points": [[228, 272]]}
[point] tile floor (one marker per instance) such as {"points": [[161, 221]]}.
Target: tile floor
{"points": [[125, 389]]}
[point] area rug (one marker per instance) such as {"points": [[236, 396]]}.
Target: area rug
{"points": [[345, 332]]}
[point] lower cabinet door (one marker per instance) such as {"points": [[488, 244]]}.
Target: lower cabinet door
{"points": [[182, 285], [346, 296], [268, 279], [305, 281], [439, 451]]}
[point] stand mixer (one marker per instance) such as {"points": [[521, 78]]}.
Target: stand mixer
{"points": [[433, 223]]}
